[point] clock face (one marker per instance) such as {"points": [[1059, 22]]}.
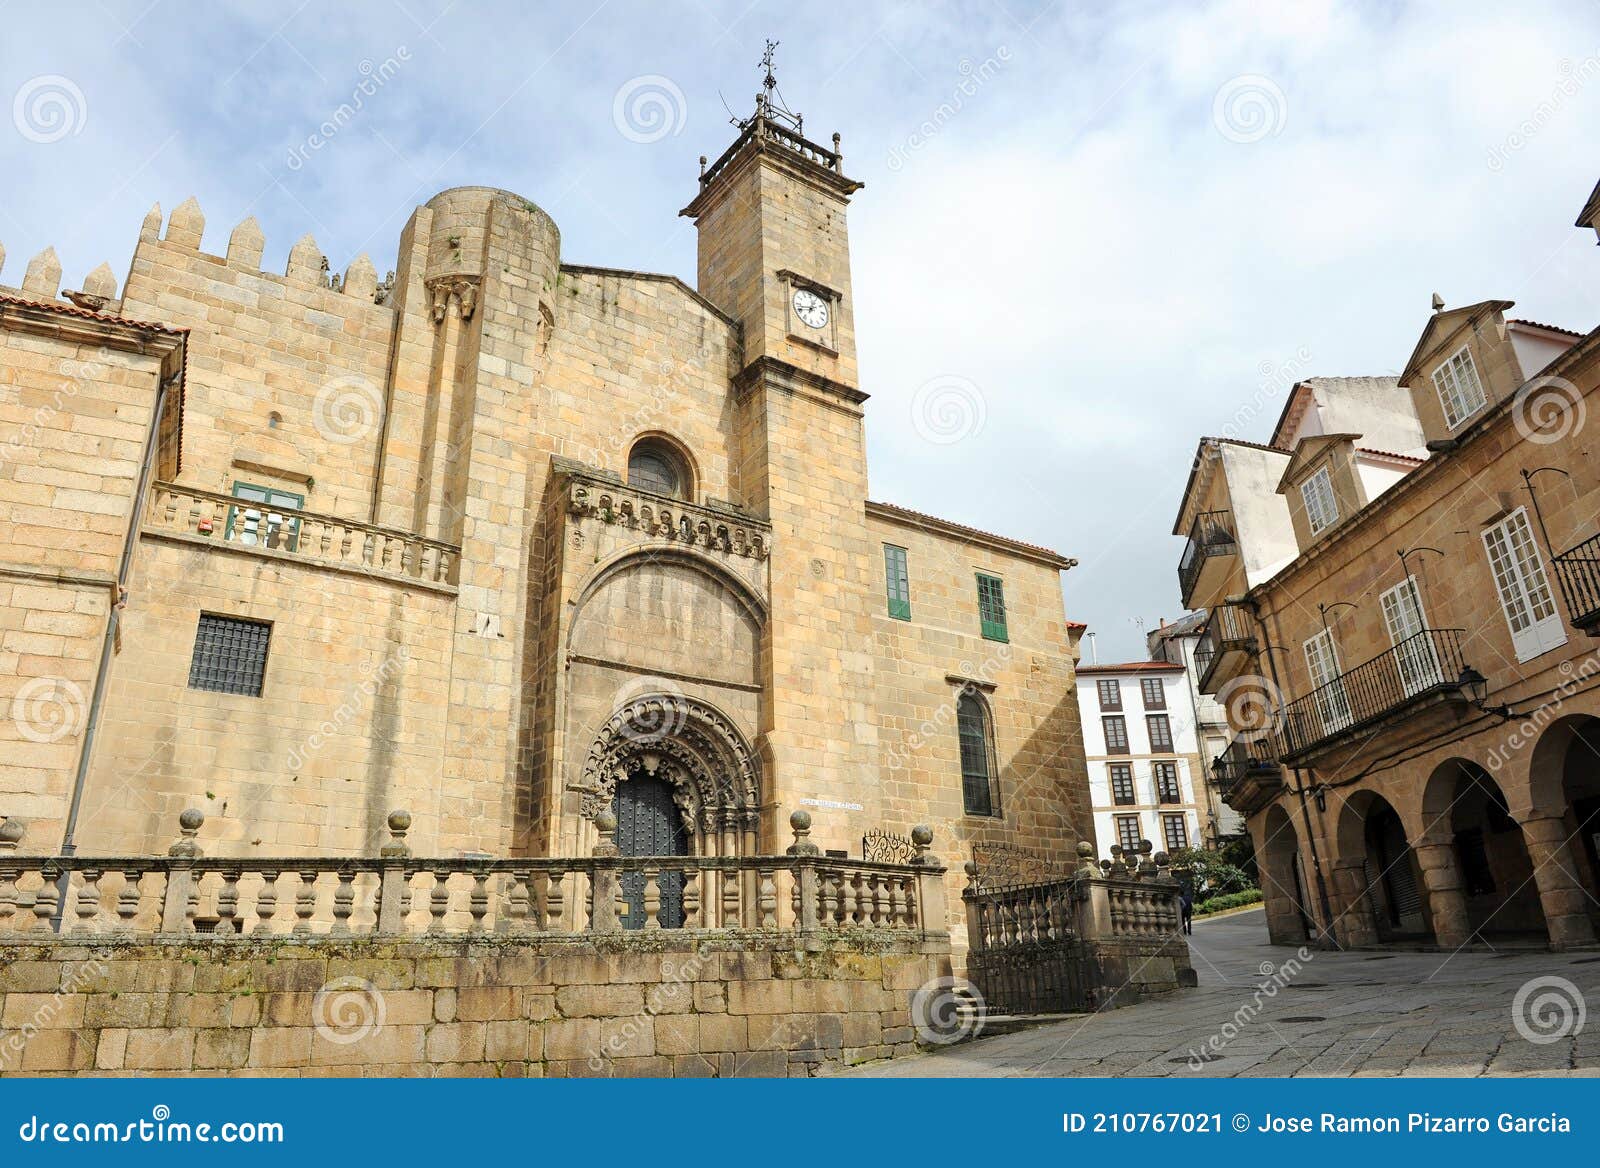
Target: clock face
{"points": [[810, 308]]}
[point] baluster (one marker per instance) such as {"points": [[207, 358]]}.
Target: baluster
{"points": [[127, 900], [478, 905], [830, 901], [857, 900], [88, 906], [691, 899], [266, 901], [517, 901], [344, 902], [417, 899], [9, 875], [731, 918], [909, 901], [439, 902], [652, 897], [892, 903], [767, 897], [555, 899], [44, 901], [305, 900], [228, 902]]}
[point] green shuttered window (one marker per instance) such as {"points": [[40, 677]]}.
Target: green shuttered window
{"points": [[897, 581], [992, 607]]}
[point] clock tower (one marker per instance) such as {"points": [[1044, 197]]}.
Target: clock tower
{"points": [[774, 253]]}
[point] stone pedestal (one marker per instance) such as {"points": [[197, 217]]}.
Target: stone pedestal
{"points": [[1559, 893]]}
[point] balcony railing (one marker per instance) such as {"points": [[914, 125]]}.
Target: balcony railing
{"points": [[304, 536], [1211, 535], [1245, 756], [1423, 665], [1229, 631], [1578, 571]]}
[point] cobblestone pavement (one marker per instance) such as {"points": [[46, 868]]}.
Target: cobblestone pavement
{"points": [[1360, 1013]]}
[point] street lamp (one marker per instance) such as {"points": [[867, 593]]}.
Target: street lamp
{"points": [[1475, 687]]}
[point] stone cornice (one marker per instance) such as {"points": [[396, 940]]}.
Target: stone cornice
{"points": [[657, 277], [792, 378], [969, 535]]}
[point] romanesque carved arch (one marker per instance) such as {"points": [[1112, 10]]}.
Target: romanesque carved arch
{"points": [[634, 557], [715, 775]]}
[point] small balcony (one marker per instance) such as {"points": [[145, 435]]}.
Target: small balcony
{"points": [[1212, 549], [1421, 671], [1578, 573], [1247, 773], [1226, 647]]}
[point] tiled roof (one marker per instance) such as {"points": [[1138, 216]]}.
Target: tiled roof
{"points": [[87, 314], [1076, 625], [1188, 623], [1133, 667], [1391, 454], [919, 517], [1549, 328]]}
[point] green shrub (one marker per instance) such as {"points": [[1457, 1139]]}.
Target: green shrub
{"points": [[1232, 900]]}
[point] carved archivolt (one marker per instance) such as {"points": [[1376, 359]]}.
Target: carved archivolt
{"points": [[683, 523], [715, 776]]}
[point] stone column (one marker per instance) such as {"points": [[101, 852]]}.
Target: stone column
{"points": [[1353, 923], [1559, 892], [1447, 902]]}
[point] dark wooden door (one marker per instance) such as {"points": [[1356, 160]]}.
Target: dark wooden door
{"points": [[648, 824]]}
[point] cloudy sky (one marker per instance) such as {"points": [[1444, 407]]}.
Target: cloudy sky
{"points": [[1086, 237]]}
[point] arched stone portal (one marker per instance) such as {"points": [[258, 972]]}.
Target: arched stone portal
{"points": [[690, 745], [1283, 884], [1561, 822], [1475, 863], [1377, 874]]}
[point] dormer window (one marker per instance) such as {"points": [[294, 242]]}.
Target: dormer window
{"points": [[1460, 392], [1322, 509]]}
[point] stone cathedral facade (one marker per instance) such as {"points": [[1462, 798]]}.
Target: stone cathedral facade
{"points": [[503, 540]]}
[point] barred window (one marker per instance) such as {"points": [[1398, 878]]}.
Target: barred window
{"points": [[1128, 832], [230, 655], [1116, 728], [1175, 831], [1167, 787], [1122, 783], [1110, 693]]}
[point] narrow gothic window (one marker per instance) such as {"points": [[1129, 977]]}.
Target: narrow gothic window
{"points": [[655, 467], [972, 728]]}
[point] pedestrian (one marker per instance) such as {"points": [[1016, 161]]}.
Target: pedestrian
{"points": [[1186, 904]]}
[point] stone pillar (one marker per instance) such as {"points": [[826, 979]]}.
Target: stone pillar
{"points": [[1559, 892], [1353, 923], [1447, 903], [392, 889]]}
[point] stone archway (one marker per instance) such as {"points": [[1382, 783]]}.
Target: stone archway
{"points": [[1283, 884], [1561, 821], [687, 743], [1377, 874], [1474, 858]]}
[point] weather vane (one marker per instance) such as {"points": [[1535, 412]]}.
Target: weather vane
{"points": [[770, 103]]}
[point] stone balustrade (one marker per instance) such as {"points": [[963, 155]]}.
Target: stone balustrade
{"points": [[305, 536], [711, 528], [395, 893]]}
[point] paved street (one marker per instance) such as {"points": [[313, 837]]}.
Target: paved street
{"points": [[1364, 1013]]}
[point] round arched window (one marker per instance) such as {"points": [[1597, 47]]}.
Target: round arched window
{"points": [[655, 467]]}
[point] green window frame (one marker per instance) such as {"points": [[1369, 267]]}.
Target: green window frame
{"points": [[992, 607], [897, 581], [244, 523], [974, 733]]}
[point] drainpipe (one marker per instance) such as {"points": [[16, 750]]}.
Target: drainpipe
{"points": [[1328, 940], [69, 845]]}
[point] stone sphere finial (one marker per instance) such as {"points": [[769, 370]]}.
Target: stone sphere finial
{"points": [[606, 821], [400, 821], [970, 868], [1116, 850], [1085, 850], [800, 820], [11, 831], [189, 823], [922, 835], [1161, 859], [1146, 847], [191, 820]]}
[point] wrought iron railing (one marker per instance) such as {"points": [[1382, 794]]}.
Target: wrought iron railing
{"points": [[1578, 571], [1228, 627], [1212, 534], [1425, 663], [1252, 754]]}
